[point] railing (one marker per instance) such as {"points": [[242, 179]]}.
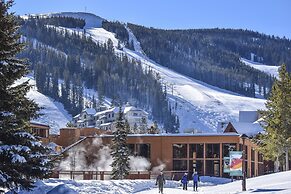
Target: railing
{"points": [[105, 175]]}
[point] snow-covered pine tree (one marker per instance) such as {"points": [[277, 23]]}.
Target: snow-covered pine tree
{"points": [[277, 118], [23, 158], [120, 151]]}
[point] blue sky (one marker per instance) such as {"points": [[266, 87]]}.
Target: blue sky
{"points": [[271, 17]]}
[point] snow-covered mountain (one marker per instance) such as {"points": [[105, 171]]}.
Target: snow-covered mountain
{"points": [[52, 112], [199, 106]]}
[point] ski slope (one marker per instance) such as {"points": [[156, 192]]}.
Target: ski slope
{"points": [[271, 70], [199, 106], [52, 112]]}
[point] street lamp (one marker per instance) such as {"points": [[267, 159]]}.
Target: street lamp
{"points": [[244, 136]]}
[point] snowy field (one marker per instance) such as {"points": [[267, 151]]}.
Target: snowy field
{"points": [[274, 183], [53, 112]]}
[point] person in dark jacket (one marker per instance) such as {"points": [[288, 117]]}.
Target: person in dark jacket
{"points": [[160, 182], [195, 181], [184, 181]]}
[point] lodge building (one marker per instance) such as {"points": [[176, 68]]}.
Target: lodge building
{"points": [[185, 152]]}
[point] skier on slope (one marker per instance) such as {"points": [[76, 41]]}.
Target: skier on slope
{"points": [[160, 182], [184, 181]]}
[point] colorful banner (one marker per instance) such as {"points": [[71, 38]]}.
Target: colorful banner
{"points": [[235, 161], [226, 165]]}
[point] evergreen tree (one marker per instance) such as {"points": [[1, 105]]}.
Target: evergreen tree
{"points": [[23, 158], [120, 151], [277, 118]]}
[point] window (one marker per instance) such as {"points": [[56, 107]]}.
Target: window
{"points": [[179, 165], [143, 150], [135, 114], [228, 147], [212, 167], [179, 150], [253, 154], [212, 150], [196, 150], [112, 115], [84, 116], [197, 165], [131, 149]]}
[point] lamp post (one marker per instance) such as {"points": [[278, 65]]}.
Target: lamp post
{"points": [[243, 136]]}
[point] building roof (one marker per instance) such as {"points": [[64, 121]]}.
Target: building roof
{"points": [[38, 124], [90, 111], [250, 129], [114, 110], [105, 124], [132, 108], [78, 115], [178, 135]]}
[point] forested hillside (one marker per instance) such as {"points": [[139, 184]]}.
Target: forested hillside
{"points": [[213, 55], [64, 63]]}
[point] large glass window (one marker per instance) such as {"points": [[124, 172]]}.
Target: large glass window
{"points": [[212, 168], [253, 154], [131, 148], [179, 165], [212, 150], [143, 150], [179, 150], [196, 150], [197, 165], [228, 147]]}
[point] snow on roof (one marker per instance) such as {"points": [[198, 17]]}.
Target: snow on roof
{"points": [[90, 111], [76, 116], [177, 135], [114, 110], [132, 108], [250, 129], [105, 124]]}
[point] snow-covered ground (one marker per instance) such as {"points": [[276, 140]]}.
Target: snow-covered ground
{"points": [[273, 183], [53, 112], [199, 106], [271, 70]]}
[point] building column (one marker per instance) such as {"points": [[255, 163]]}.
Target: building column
{"points": [[220, 159], [256, 163], [249, 161], [204, 158]]}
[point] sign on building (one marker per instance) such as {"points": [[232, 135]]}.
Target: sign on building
{"points": [[235, 161]]}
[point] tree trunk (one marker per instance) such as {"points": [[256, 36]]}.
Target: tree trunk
{"points": [[287, 159]]}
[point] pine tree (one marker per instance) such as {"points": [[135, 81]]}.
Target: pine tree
{"points": [[277, 118], [120, 151], [23, 158]]}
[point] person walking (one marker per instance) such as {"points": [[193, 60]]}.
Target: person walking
{"points": [[184, 181], [195, 181], [160, 182]]}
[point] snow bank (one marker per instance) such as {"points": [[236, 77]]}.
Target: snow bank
{"points": [[56, 186]]}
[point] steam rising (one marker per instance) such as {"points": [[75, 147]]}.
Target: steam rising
{"points": [[96, 157]]}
